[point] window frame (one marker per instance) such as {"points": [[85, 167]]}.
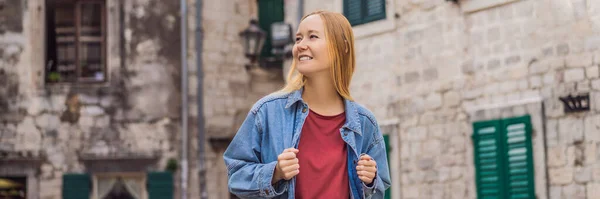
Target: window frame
{"points": [[77, 43], [364, 17], [136, 175], [501, 137], [374, 27]]}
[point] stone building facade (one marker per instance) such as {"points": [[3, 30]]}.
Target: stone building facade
{"points": [[441, 66], [127, 121]]}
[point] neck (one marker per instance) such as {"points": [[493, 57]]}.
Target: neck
{"points": [[322, 97]]}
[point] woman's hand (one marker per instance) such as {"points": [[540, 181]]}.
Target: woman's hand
{"points": [[366, 169], [287, 165]]}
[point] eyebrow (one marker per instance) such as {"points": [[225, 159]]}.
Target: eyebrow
{"points": [[309, 31]]}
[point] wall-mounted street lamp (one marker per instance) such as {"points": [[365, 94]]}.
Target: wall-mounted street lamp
{"points": [[253, 39], [281, 37]]}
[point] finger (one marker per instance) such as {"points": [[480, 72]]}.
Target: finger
{"points": [[288, 162], [370, 169], [365, 157], [293, 150], [363, 163], [368, 174], [365, 179], [370, 163], [291, 168], [286, 156], [359, 168], [291, 174]]}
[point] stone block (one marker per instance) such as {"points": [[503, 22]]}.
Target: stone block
{"points": [[458, 190], [493, 64], [592, 72], [583, 175], [555, 192], [560, 176], [590, 153], [556, 157], [437, 131], [452, 99], [549, 78], [430, 74], [577, 61], [583, 86], [508, 86], [596, 84], [574, 191], [592, 128], [593, 190], [433, 101], [562, 49], [574, 75], [596, 172], [102, 121], [410, 191], [570, 130], [432, 148], [58, 102], [47, 121], [88, 99], [412, 77], [535, 81], [28, 136], [416, 133], [92, 111], [458, 143]]}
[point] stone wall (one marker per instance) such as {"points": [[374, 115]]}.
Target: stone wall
{"points": [[440, 68], [229, 89], [136, 112]]}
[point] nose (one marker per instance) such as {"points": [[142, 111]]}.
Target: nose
{"points": [[301, 47]]}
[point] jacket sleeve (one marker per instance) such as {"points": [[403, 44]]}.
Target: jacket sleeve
{"points": [[248, 176], [382, 179]]}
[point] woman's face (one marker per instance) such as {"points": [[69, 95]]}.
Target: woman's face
{"points": [[310, 50]]}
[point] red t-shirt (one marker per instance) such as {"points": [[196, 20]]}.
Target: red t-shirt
{"points": [[323, 158]]}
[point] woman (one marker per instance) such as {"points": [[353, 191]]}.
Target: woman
{"points": [[311, 140]]}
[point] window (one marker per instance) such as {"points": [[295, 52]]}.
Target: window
{"points": [[269, 12], [13, 187], [364, 11], [386, 139], [153, 185], [503, 158], [75, 43]]}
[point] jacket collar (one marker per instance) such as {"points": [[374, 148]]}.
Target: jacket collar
{"points": [[351, 109]]}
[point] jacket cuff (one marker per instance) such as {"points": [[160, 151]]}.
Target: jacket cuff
{"points": [[370, 190], [264, 182]]}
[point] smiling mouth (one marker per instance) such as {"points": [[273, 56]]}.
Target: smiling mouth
{"points": [[305, 58]]}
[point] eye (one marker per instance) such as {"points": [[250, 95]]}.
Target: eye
{"points": [[313, 36], [298, 39]]}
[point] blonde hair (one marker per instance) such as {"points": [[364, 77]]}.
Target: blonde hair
{"points": [[340, 42]]}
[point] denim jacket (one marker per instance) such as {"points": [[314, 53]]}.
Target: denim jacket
{"points": [[274, 123]]}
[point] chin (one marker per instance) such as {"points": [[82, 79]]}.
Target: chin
{"points": [[310, 70]]}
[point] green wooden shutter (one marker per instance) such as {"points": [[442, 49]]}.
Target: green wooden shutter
{"points": [[519, 157], [364, 11], [76, 186], [386, 139], [374, 10], [269, 11], [353, 11], [488, 159], [160, 185]]}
